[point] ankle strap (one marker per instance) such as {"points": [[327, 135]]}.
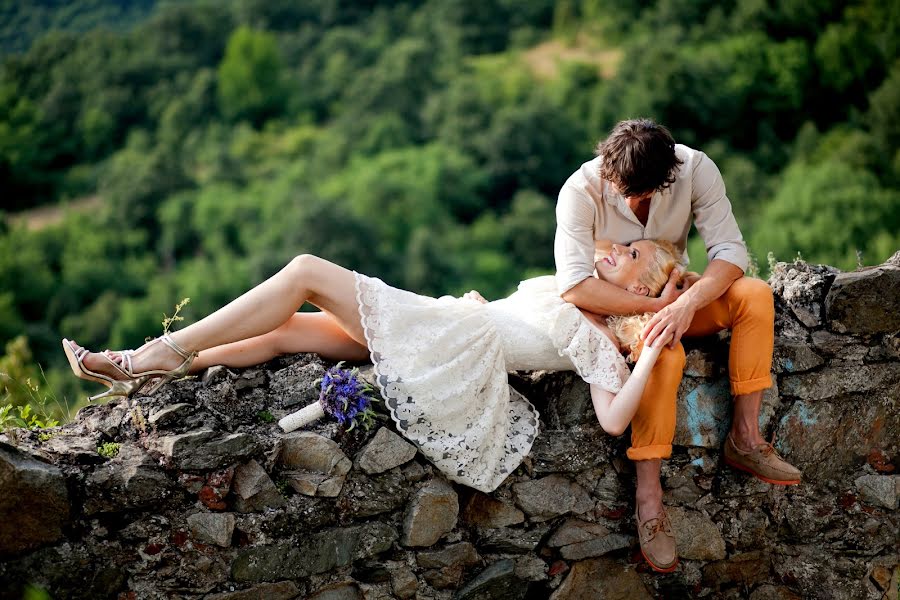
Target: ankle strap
{"points": [[171, 343]]}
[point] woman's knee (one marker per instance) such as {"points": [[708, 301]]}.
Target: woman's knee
{"points": [[671, 359]]}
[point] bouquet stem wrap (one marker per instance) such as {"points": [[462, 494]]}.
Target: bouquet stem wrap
{"points": [[304, 416]]}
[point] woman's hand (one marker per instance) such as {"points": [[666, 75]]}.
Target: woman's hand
{"points": [[474, 295]]}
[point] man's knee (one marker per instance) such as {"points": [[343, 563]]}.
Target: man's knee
{"points": [[753, 296]]}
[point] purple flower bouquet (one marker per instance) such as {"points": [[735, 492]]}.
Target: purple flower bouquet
{"points": [[343, 395]]}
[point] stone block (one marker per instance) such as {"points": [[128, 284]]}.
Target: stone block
{"points": [[317, 465], [385, 451], [840, 381], [879, 490], [169, 414], [315, 553], [601, 578], [254, 490], [404, 583], [338, 591], [483, 511], [34, 502], [795, 357], [297, 384], [704, 409], [697, 536], [506, 540], [572, 450], [827, 440], [282, 590], [367, 496], [866, 301], [130, 480], [550, 497], [802, 288], [205, 449], [432, 513], [497, 581], [212, 528], [573, 531], [597, 546]]}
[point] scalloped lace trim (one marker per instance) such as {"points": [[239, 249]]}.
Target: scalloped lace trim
{"points": [[455, 403]]}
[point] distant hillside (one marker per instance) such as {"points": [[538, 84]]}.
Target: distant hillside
{"points": [[23, 22]]}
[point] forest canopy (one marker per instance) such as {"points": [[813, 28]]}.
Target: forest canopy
{"points": [[152, 151]]}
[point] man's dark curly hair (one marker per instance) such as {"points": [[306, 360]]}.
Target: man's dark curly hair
{"points": [[639, 157]]}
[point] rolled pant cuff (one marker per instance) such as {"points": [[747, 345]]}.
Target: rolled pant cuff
{"points": [[751, 385], [650, 452]]}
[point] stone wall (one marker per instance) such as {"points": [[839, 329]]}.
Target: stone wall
{"points": [[207, 498]]}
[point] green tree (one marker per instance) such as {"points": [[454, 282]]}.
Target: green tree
{"points": [[251, 81], [828, 212]]}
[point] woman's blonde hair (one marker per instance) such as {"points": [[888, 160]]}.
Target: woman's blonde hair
{"points": [[627, 328]]}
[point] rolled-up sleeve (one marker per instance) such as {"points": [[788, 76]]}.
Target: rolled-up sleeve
{"points": [[713, 216], [573, 247]]}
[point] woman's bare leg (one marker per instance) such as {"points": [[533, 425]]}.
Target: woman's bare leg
{"points": [[303, 332], [261, 310]]}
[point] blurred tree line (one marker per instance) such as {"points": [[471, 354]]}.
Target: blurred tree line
{"points": [[421, 141]]}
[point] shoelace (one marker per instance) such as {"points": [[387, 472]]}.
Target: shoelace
{"points": [[770, 447], [656, 524]]}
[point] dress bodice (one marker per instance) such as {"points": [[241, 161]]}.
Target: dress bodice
{"points": [[524, 322], [540, 330]]}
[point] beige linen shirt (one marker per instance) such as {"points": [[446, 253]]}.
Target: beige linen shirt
{"points": [[590, 208]]}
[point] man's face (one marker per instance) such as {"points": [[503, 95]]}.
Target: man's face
{"points": [[635, 198]]}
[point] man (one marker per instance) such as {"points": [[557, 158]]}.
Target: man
{"points": [[644, 186]]}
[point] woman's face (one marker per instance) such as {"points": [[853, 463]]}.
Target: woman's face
{"points": [[624, 264]]}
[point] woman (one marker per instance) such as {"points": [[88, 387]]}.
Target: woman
{"points": [[441, 363]]}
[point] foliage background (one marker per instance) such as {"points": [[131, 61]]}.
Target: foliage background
{"points": [[151, 151]]}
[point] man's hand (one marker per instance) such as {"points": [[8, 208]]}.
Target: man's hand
{"points": [[673, 320], [671, 292]]}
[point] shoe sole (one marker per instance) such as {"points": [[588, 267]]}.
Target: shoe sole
{"points": [[77, 368], [741, 467], [660, 569]]}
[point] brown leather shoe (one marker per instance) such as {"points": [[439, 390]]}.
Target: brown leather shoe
{"points": [[657, 542], [763, 462]]}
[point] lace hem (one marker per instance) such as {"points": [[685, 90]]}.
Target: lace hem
{"points": [[440, 368]]}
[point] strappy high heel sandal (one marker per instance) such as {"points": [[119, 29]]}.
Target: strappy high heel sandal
{"points": [[160, 375], [117, 387]]}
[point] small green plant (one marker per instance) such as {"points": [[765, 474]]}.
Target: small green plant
{"points": [[35, 592], [137, 418], [753, 267], [799, 257], [109, 450], [23, 417], [283, 486], [167, 320], [859, 259], [265, 416], [46, 435], [770, 257]]}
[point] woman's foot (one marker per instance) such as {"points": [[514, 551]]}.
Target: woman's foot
{"points": [[149, 357]]}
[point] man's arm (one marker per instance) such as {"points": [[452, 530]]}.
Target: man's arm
{"points": [[675, 318], [604, 298], [725, 248], [573, 250]]}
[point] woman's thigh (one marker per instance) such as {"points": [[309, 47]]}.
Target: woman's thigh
{"points": [[332, 288], [320, 333]]}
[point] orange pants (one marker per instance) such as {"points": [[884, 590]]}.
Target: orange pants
{"points": [[747, 308]]}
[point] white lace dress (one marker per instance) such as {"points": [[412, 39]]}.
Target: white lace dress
{"points": [[442, 363]]}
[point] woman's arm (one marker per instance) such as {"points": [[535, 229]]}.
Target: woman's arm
{"points": [[615, 411]]}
